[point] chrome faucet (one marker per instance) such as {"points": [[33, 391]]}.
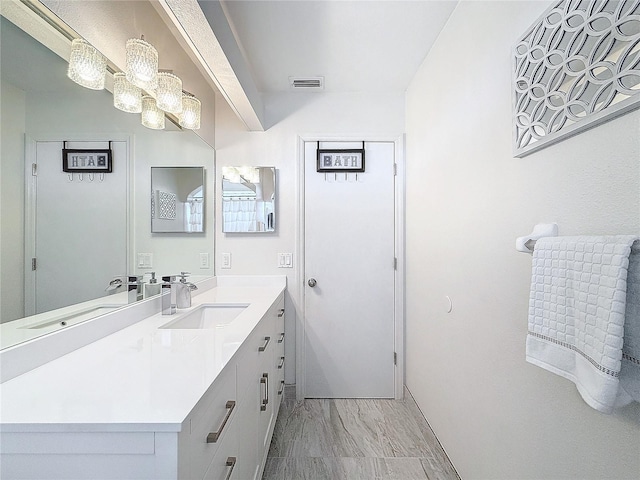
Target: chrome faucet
{"points": [[168, 294], [134, 287], [114, 284], [183, 291]]}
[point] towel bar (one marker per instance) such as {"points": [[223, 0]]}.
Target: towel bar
{"points": [[527, 243]]}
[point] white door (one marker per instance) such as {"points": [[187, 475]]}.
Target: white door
{"points": [[80, 228], [349, 253]]}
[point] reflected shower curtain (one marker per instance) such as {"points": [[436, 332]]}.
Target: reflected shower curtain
{"points": [[193, 215], [239, 214]]}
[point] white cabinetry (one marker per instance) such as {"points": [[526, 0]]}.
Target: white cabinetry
{"points": [[258, 389], [225, 436]]}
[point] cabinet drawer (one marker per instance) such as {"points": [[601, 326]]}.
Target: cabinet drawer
{"points": [[211, 422], [256, 350], [225, 462]]}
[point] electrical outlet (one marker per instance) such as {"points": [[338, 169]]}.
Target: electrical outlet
{"points": [[204, 260], [226, 260]]}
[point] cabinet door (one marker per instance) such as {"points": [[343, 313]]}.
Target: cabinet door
{"points": [[247, 463]]}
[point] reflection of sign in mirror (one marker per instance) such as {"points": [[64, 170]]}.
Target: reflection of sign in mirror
{"points": [[177, 200], [167, 203], [340, 160], [86, 161]]}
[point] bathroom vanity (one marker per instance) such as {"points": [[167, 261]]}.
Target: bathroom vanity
{"points": [[187, 396]]}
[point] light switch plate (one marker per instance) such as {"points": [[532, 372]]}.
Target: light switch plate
{"points": [[204, 260], [285, 260], [145, 260], [226, 260]]}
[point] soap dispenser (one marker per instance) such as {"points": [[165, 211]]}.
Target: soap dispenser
{"points": [[153, 287]]}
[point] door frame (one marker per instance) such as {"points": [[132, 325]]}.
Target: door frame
{"points": [[298, 292], [30, 202]]}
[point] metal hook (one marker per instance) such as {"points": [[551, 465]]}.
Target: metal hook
{"points": [[102, 177], [70, 175], [90, 175], [80, 177]]}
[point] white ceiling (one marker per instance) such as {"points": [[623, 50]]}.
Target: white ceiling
{"points": [[358, 46]]}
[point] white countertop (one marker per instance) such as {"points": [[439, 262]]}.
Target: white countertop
{"points": [[140, 378]]}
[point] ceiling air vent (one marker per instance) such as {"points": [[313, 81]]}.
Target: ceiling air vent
{"points": [[307, 84]]}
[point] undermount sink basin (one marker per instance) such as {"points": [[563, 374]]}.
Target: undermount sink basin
{"points": [[208, 316]]}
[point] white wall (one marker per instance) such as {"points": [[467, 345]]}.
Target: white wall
{"points": [[290, 115], [173, 252], [467, 200], [12, 124]]}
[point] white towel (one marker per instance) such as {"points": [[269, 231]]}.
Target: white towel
{"points": [[577, 312], [630, 369]]}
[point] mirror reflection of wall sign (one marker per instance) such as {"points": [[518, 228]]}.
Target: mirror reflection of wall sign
{"points": [[177, 199], [167, 203], [340, 160], [87, 161]]}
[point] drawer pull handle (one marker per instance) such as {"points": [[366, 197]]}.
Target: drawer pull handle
{"points": [[214, 436], [262, 348], [231, 462], [281, 339], [281, 364], [265, 401], [281, 386], [281, 313]]}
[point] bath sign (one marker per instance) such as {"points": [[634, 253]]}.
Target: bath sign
{"points": [[86, 161], [351, 160]]}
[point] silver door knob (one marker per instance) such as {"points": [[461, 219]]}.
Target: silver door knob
{"points": [[312, 282]]}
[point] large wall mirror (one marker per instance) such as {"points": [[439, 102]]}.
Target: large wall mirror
{"points": [[177, 199], [248, 199], [47, 285]]}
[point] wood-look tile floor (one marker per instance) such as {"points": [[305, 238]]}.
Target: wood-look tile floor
{"points": [[353, 439]]}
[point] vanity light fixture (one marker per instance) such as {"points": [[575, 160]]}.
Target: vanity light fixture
{"points": [[191, 111], [126, 96], [152, 116], [87, 66], [142, 64], [169, 93], [249, 174]]}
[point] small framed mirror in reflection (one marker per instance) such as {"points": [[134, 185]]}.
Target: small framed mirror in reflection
{"points": [[177, 199], [248, 199]]}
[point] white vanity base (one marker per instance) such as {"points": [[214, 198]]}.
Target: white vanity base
{"points": [[142, 402]]}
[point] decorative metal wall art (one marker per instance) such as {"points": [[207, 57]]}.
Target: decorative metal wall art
{"points": [[576, 67]]}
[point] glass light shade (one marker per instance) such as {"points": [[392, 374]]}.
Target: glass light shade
{"points": [[126, 96], [231, 174], [169, 93], [142, 64], [191, 111], [250, 174], [152, 116], [87, 66]]}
